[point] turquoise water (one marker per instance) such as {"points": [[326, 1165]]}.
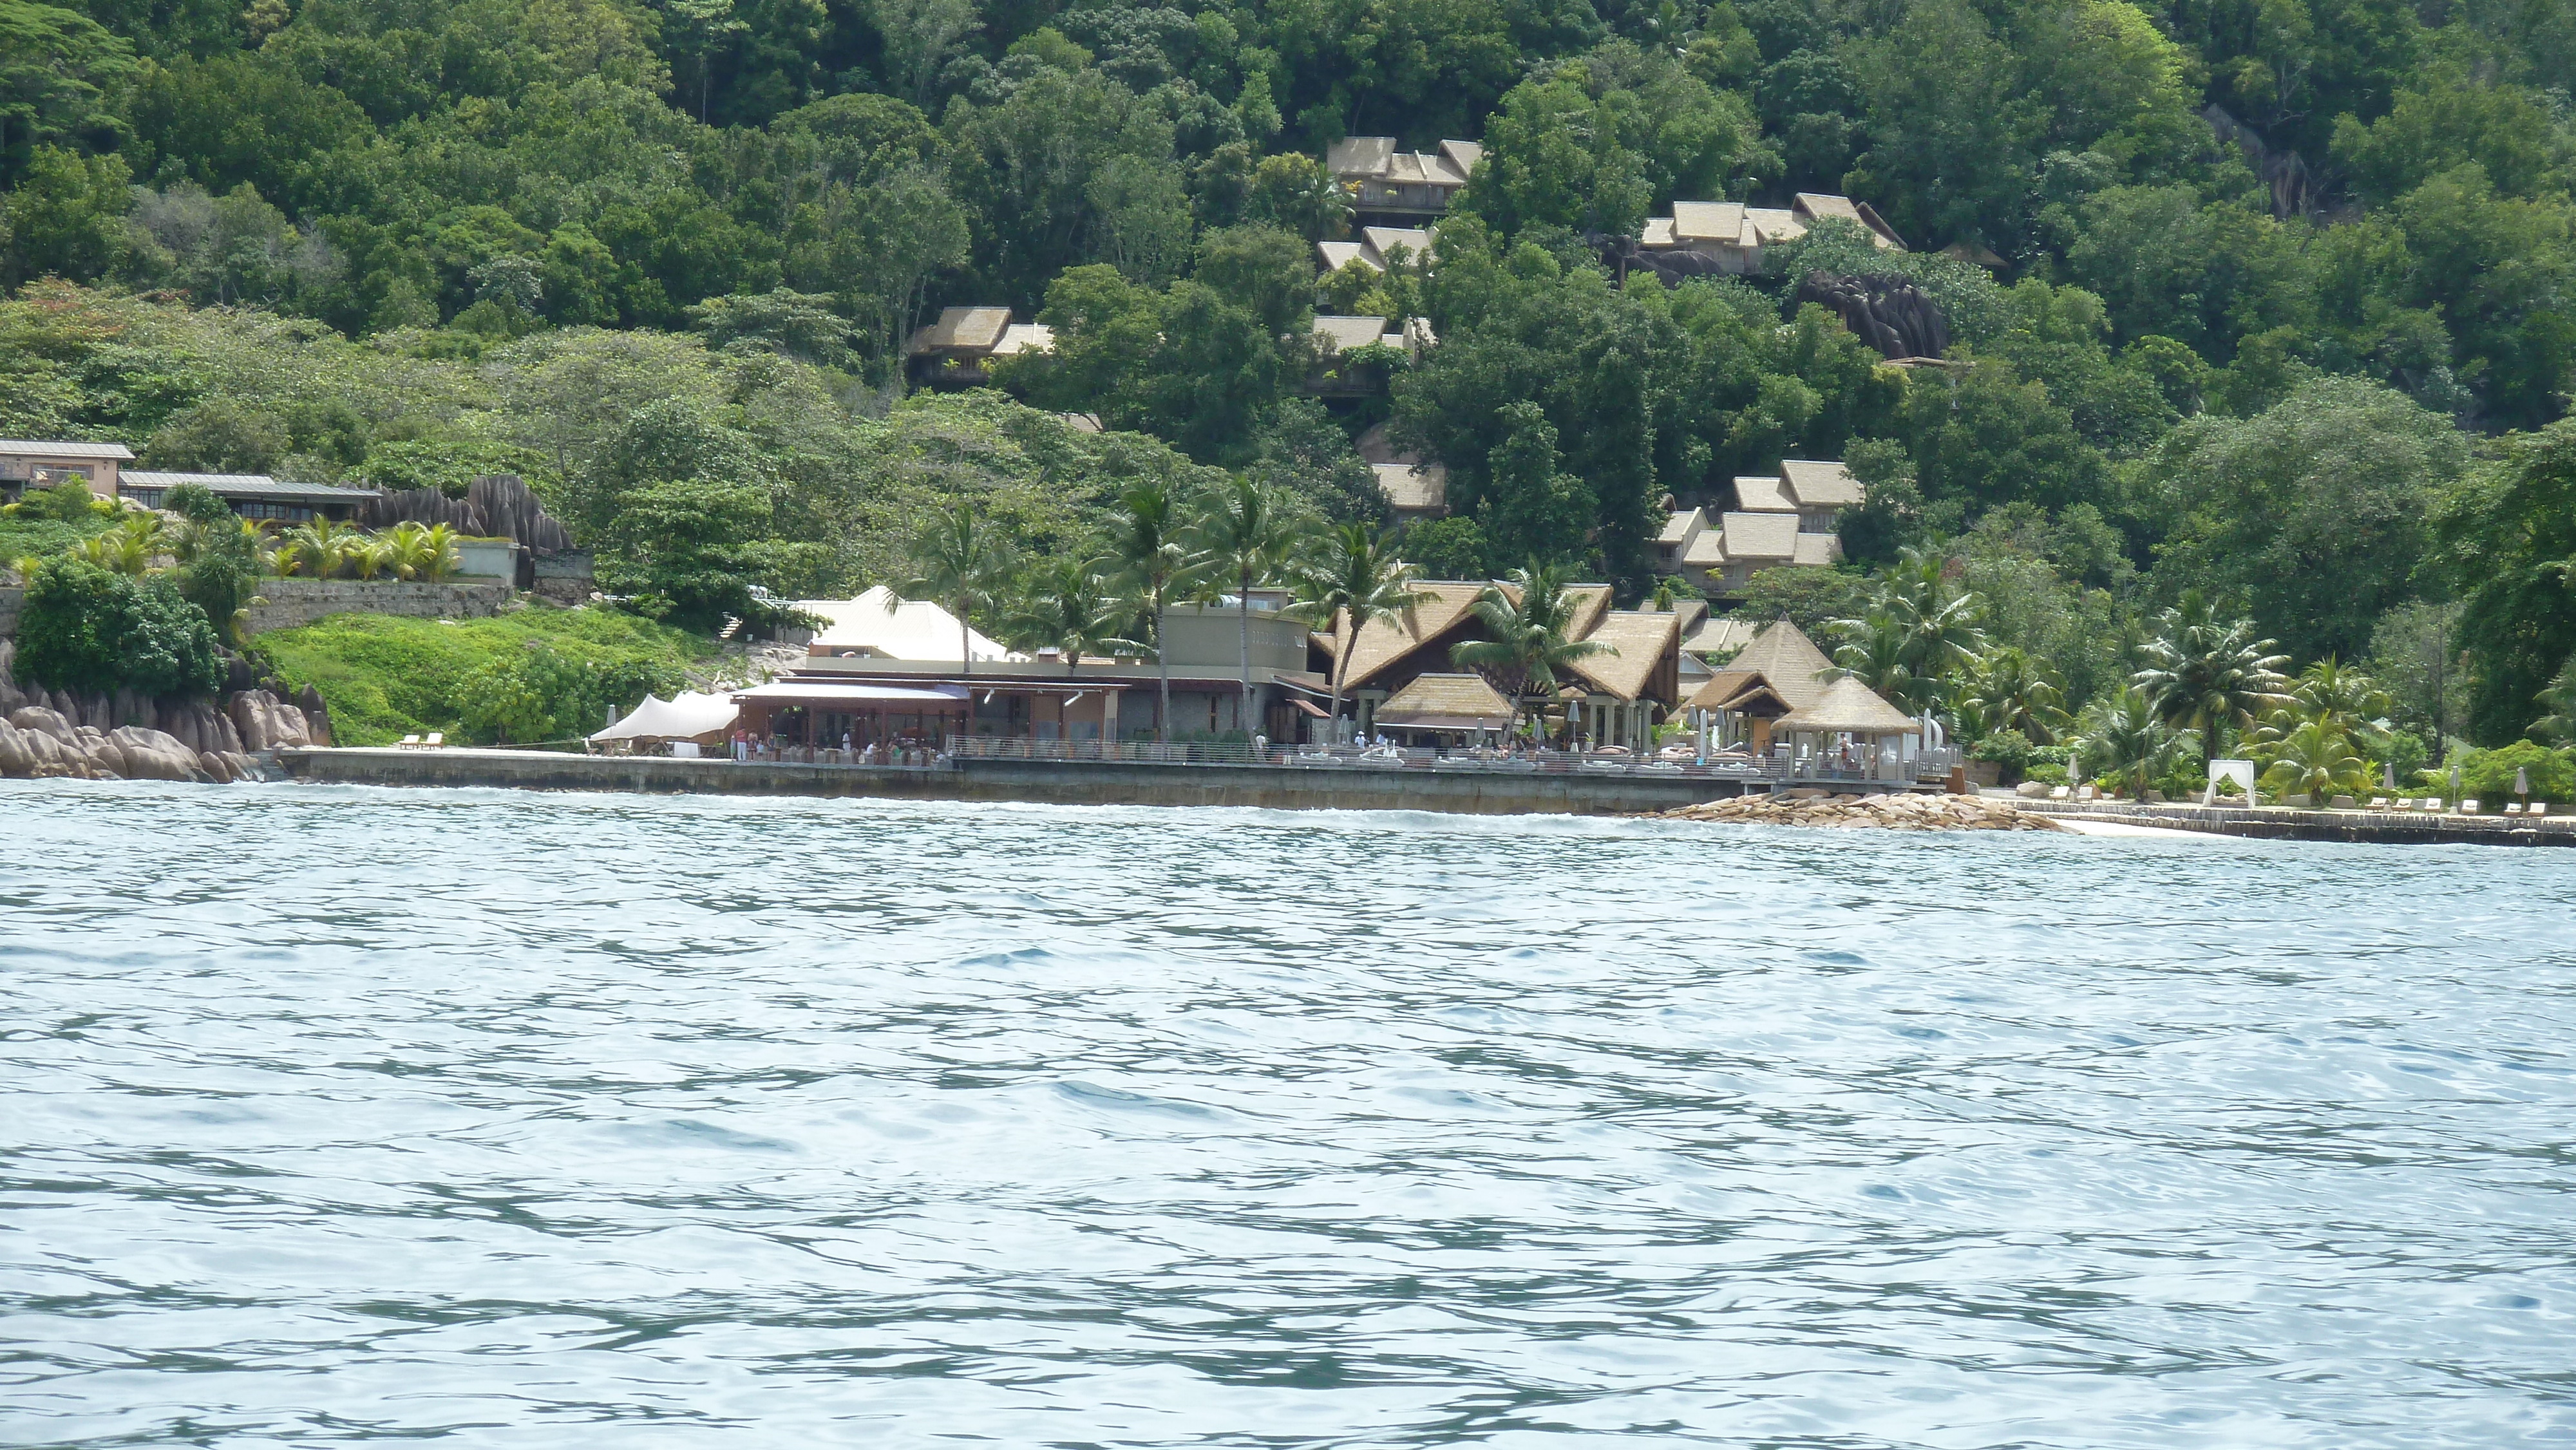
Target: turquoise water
{"points": [[513, 1120]]}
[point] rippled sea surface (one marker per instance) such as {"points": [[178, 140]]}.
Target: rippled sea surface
{"points": [[542, 1120]]}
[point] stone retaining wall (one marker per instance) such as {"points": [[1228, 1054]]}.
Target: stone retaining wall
{"points": [[563, 578], [10, 599], [296, 602], [1052, 782]]}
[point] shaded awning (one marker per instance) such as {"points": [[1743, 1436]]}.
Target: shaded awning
{"points": [[820, 692], [1310, 707], [688, 717]]}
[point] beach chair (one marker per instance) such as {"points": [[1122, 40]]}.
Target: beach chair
{"points": [[2379, 803], [409, 742], [2085, 792], [2538, 808], [2468, 808], [434, 741], [2061, 793], [2513, 808]]}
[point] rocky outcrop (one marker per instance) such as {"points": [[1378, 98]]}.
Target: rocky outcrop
{"points": [[1891, 314], [125, 736], [1894, 812]]}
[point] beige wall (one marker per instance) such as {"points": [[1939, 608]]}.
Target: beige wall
{"points": [[1206, 637]]}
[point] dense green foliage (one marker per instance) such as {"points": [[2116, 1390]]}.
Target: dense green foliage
{"points": [[662, 258], [85, 629], [528, 677]]}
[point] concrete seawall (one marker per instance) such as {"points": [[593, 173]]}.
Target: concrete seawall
{"points": [[2382, 828], [1051, 782]]}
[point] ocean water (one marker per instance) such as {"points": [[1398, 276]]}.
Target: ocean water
{"points": [[488, 1119]]}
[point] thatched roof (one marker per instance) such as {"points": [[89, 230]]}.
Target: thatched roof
{"points": [[1636, 643], [1818, 484], [1719, 635], [1414, 487], [1850, 706], [1744, 691], [1816, 551], [1785, 657], [1384, 642], [970, 329], [1761, 494], [1761, 536], [1446, 702]]}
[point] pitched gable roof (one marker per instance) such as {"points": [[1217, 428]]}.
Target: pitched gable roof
{"points": [[1385, 642], [1849, 705], [1752, 537], [1447, 702], [1783, 655], [1817, 483], [1756, 494], [1708, 221], [973, 329], [1636, 642]]}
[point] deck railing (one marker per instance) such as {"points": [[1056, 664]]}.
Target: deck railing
{"points": [[1775, 768]]}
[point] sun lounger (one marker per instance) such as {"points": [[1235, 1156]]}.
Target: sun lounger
{"points": [[2379, 803], [434, 741], [2085, 792], [2538, 808], [410, 742], [2468, 808], [2061, 793], [2513, 808]]}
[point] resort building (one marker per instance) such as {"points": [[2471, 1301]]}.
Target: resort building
{"points": [[1779, 696], [1337, 374], [1613, 698], [30, 463], [1783, 520], [1729, 236], [252, 495], [953, 352], [878, 678], [1400, 186], [1376, 248], [1414, 489]]}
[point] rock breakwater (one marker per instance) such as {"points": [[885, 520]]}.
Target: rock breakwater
{"points": [[1892, 811]]}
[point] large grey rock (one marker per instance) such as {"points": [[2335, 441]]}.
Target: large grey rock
{"points": [[242, 766], [43, 720], [14, 759], [153, 755], [214, 767]]}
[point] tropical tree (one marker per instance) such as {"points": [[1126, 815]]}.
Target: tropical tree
{"points": [[439, 547], [1355, 580], [129, 548], [2337, 696], [1529, 618], [2123, 733], [2205, 672], [319, 544], [2558, 727], [1155, 567], [1254, 534], [2315, 760], [1916, 629], [1067, 605], [2005, 689], [961, 563]]}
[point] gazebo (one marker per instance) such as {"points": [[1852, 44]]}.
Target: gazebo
{"points": [[1852, 710]]}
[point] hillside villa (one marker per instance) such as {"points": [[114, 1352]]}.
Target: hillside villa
{"points": [[1777, 521], [1400, 186]]}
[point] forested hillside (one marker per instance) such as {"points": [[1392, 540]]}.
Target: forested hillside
{"points": [[2284, 309]]}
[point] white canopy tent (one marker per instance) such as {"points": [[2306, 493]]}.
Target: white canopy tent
{"points": [[687, 717]]}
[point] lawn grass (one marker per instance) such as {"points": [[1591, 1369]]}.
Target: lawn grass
{"points": [[386, 677]]}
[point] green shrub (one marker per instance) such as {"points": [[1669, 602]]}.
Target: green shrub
{"points": [[2487, 775], [87, 630], [385, 677]]}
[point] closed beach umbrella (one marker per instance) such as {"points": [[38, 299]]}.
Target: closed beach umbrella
{"points": [[2388, 774], [2521, 781]]}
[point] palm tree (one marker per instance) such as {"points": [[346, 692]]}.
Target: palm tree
{"points": [[2203, 672], [1253, 533], [962, 565], [2315, 760], [2559, 725], [1154, 567], [1355, 577], [1916, 630], [1067, 605], [321, 542], [2123, 732], [2344, 700], [439, 544], [2008, 690], [1529, 618], [129, 548]]}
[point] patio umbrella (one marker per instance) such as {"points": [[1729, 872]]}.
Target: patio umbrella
{"points": [[2521, 781], [2388, 774]]}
